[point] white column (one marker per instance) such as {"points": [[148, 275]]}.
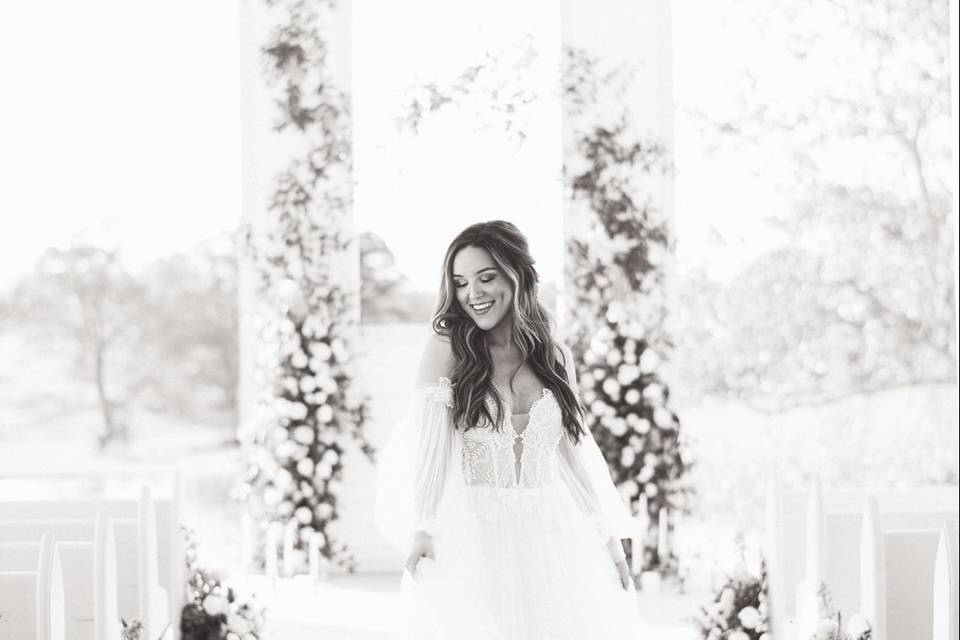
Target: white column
{"points": [[266, 152]]}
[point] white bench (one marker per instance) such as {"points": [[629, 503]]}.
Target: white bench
{"points": [[31, 591], [88, 560], [140, 594], [838, 538]]}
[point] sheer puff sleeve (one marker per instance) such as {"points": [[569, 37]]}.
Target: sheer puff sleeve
{"points": [[413, 466], [586, 473]]}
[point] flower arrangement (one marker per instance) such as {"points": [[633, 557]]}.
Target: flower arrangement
{"points": [[739, 610], [830, 625], [214, 611], [310, 411], [617, 307], [132, 630]]}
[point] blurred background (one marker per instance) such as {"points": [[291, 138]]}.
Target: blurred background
{"points": [[812, 295]]}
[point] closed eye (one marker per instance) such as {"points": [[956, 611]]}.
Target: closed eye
{"points": [[483, 279]]}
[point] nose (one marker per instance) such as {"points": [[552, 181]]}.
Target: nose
{"points": [[474, 289]]}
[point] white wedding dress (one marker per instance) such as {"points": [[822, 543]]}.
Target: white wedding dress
{"points": [[523, 526]]}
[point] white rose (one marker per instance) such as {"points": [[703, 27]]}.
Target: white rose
{"points": [[627, 457], [230, 634], [303, 434], [237, 624], [749, 617], [322, 471], [653, 392], [738, 635], [642, 426], [599, 374], [321, 350], [858, 626], [214, 604], [296, 410], [330, 457], [325, 414], [324, 510], [649, 361], [618, 426], [663, 418], [826, 629], [305, 467], [597, 408], [307, 384], [328, 436], [651, 490], [611, 387], [299, 359], [627, 373], [304, 515], [645, 474], [632, 396], [614, 357], [629, 489], [599, 346], [283, 478], [272, 496]]}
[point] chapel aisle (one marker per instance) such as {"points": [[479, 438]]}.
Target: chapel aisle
{"points": [[363, 607]]}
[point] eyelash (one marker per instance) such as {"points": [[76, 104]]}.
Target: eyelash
{"points": [[459, 285]]}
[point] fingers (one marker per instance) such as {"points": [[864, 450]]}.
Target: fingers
{"points": [[411, 564]]}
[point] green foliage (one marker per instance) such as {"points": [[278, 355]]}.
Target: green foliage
{"points": [[858, 294]]}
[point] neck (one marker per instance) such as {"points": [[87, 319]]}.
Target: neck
{"points": [[501, 336]]}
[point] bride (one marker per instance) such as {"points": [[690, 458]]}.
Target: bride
{"points": [[491, 482]]}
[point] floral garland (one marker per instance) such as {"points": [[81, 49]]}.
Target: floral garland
{"points": [[310, 410], [617, 304]]}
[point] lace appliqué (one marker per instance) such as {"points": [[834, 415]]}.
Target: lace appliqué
{"points": [[441, 391], [490, 459]]}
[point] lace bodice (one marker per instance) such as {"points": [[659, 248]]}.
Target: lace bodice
{"points": [[506, 458], [427, 461]]}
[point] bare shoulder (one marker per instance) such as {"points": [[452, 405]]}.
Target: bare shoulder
{"points": [[436, 361]]}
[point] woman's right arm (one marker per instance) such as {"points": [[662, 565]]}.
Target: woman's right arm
{"points": [[413, 464]]}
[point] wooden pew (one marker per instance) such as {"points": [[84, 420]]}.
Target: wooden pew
{"points": [[31, 591], [170, 571], [897, 509], [87, 552], [910, 557], [945, 596]]}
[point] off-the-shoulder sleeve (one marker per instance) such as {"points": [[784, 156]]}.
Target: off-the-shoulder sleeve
{"points": [[413, 466], [585, 472]]}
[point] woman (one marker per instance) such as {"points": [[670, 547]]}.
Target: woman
{"points": [[491, 483]]}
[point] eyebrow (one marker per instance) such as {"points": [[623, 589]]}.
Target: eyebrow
{"points": [[457, 275]]}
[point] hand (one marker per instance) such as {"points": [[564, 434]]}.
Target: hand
{"points": [[422, 548], [624, 572]]}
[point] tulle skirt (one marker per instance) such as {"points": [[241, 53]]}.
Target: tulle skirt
{"points": [[516, 564]]}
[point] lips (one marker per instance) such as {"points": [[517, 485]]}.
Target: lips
{"points": [[482, 307]]}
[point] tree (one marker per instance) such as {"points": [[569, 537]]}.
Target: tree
{"points": [[84, 294], [859, 295]]}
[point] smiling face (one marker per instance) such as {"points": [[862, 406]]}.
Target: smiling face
{"points": [[483, 291]]}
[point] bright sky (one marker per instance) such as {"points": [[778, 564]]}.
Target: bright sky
{"points": [[120, 122]]}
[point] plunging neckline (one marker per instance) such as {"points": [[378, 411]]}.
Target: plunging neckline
{"points": [[518, 435]]}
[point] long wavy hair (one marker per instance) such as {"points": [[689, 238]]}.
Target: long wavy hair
{"points": [[472, 375]]}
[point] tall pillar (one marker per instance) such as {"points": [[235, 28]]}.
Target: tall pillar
{"points": [[266, 152]]}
